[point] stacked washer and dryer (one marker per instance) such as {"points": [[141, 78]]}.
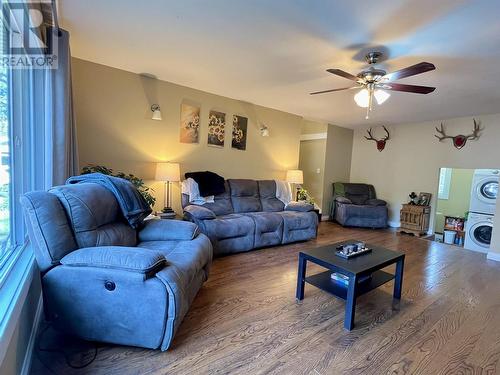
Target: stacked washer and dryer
{"points": [[482, 209]]}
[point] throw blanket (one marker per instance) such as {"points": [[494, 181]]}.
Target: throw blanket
{"points": [[190, 188], [209, 183], [133, 205], [283, 191]]}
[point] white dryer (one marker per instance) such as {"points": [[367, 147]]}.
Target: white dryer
{"points": [[478, 232], [484, 191]]}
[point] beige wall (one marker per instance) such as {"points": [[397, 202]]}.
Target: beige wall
{"points": [[339, 148], [313, 127], [312, 159], [115, 128], [332, 156], [412, 158]]}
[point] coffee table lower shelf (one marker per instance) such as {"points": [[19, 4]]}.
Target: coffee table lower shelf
{"points": [[324, 282]]}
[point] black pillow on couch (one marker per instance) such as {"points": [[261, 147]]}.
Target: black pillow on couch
{"points": [[209, 183]]}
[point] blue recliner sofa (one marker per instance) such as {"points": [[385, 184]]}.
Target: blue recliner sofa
{"points": [[356, 205], [105, 281], [249, 216]]}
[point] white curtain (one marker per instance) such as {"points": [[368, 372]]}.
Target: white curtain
{"points": [[61, 156]]}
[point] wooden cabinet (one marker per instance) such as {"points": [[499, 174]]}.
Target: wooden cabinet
{"points": [[415, 219]]}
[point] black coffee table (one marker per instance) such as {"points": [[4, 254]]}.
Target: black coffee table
{"points": [[356, 268]]}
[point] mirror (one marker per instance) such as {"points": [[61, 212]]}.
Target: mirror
{"points": [[466, 204]]}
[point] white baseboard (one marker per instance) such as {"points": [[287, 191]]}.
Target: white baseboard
{"points": [[394, 224], [325, 217], [28, 357], [493, 256]]}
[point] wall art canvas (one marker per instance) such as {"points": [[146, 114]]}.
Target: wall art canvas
{"points": [[239, 140], [190, 123], [216, 128]]}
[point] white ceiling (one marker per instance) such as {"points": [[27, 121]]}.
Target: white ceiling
{"points": [[274, 52]]}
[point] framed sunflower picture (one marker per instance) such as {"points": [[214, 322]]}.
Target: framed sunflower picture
{"points": [[216, 128], [239, 139], [190, 123]]}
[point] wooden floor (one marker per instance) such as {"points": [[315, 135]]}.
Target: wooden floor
{"points": [[245, 320]]}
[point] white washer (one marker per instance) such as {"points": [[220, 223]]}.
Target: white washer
{"points": [[478, 232], [484, 191]]}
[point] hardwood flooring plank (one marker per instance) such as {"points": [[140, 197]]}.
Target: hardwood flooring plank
{"points": [[245, 319]]}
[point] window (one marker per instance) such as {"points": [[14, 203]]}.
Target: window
{"points": [[5, 157], [25, 162], [444, 183], [17, 137]]}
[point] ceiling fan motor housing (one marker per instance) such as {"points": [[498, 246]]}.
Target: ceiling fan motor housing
{"points": [[371, 75], [373, 57]]}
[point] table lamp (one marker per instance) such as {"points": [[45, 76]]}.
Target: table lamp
{"points": [[168, 173], [295, 177]]}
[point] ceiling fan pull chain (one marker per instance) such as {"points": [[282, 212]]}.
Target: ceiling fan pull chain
{"points": [[370, 102]]}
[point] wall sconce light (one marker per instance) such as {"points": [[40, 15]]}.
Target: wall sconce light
{"points": [[155, 108], [264, 131]]}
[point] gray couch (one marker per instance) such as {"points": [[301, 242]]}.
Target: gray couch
{"points": [[357, 205], [249, 216], [103, 280]]}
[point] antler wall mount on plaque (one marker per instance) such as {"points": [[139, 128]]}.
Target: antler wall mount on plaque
{"points": [[380, 142], [459, 140]]}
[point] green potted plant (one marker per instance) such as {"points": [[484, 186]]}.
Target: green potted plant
{"points": [[303, 195], [136, 181]]}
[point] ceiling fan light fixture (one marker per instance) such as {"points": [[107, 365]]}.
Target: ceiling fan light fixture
{"points": [[362, 98], [381, 96]]}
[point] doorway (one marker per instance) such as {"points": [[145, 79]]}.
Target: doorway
{"points": [[466, 206]]}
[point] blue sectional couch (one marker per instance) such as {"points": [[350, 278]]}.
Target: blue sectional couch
{"points": [[248, 216], [105, 281], [356, 205]]}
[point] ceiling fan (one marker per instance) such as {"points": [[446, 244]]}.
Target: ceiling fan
{"points": [[373, 82]]}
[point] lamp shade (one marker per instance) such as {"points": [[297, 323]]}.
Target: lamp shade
{"points": [[295, 176], [155, 108], [168, 172], [264, 131], [362, 98], [156, 115], [381, 96]]}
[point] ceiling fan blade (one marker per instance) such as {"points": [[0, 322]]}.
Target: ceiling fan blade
{"points": [[344, 74], [410, 71], [407, 88], [332, 90]]}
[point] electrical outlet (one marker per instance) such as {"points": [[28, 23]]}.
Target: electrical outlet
{"points": [[318, 171]]}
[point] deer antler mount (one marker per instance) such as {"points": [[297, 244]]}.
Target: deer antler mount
{"points": [[459, 140], [380, 142]]}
